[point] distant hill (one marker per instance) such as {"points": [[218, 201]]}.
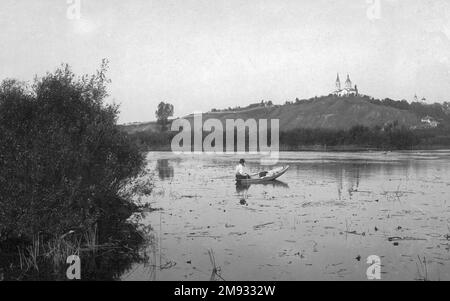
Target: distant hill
{"points": [[132, 128], [327, 112]]}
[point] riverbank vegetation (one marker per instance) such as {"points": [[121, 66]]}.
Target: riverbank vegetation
{"points": [[68, 178], [390, 137]]}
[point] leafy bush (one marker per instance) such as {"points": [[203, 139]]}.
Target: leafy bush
{"points": [[63, 160]]}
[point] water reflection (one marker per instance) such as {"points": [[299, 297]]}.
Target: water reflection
{"points": [[112, 263], [277, 183], [241, 187], [165, 170], [120, 245]]}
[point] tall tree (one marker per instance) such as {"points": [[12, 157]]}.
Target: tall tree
{"points": [[165, 110]]}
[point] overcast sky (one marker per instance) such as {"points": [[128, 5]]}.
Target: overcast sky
{"points": [[203, 54]]}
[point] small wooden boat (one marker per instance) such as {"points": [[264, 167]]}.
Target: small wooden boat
{"points": [[271, 175]]}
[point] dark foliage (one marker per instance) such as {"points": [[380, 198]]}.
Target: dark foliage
{"points": [[150, 140], [164, 111], [390, 137], [63, 160], [438, 111]]}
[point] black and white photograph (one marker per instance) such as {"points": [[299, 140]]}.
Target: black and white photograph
{"points": [[224, 142]]}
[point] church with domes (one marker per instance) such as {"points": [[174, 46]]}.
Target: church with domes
{"points": [[348, 87]]}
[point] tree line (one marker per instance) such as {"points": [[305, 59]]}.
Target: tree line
{"points": [[391, 136]]}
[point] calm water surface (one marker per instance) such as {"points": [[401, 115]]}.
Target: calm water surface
{"points": [[321, 221]]}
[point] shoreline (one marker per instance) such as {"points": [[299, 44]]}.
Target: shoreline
{"points": [[349, 148]]}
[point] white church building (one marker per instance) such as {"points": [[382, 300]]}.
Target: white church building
{"points": [[348, 87]]}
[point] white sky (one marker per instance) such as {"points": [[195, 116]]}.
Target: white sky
{"points": [[201, 54]]}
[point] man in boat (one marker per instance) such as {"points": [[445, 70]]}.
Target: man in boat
{"points": [[241, 172]]}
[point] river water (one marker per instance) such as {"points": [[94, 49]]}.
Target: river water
{"points": [[320, 221]]}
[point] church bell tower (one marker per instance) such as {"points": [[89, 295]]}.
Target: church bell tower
{"points": [[338, 83], [348, 83]]}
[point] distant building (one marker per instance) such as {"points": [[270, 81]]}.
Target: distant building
{"points": [[348, 88], [429, 121], [423, 100]]}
